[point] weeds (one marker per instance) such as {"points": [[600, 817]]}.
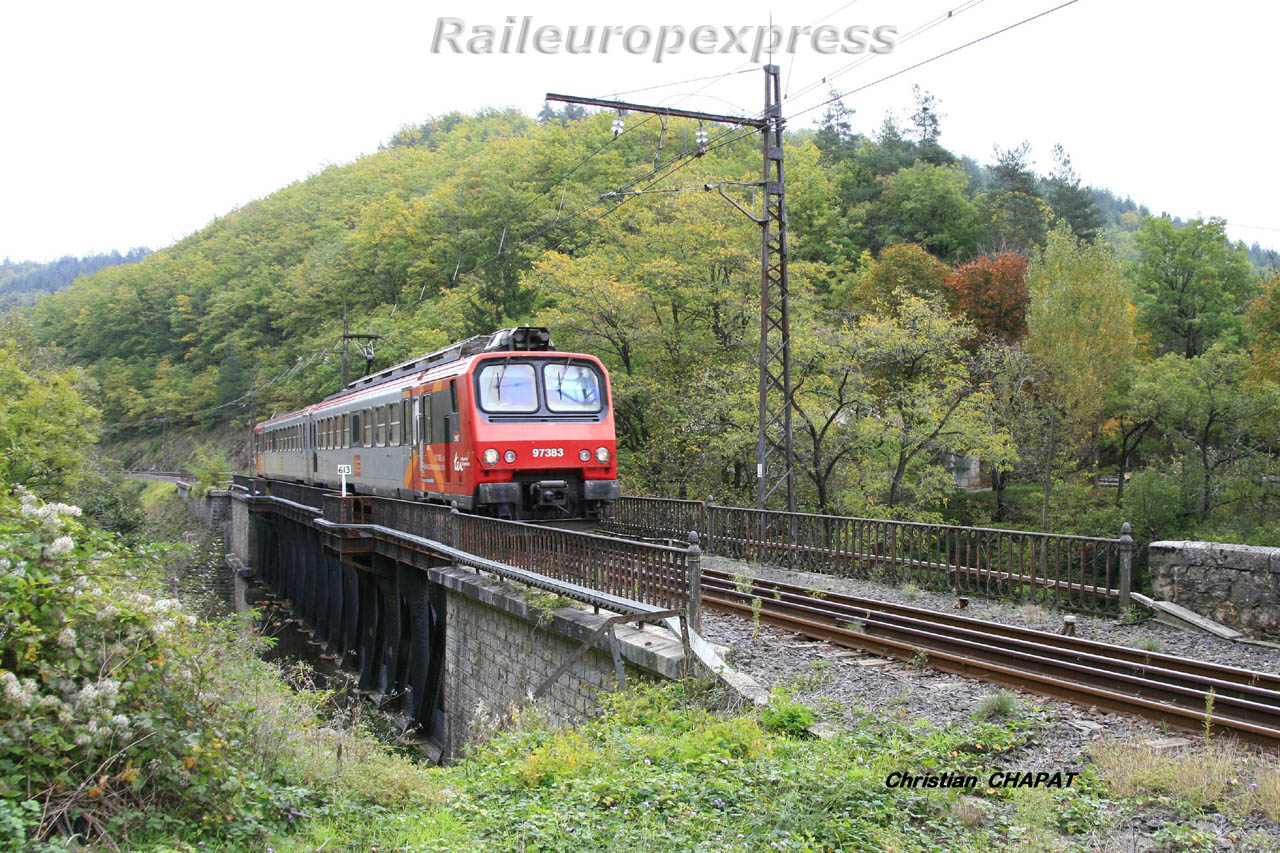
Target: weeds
{"points": [[1002, 703], [1149, 644], [756, 605]]}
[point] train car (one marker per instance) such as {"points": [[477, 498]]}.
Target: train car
{"points": [[502, 424]]}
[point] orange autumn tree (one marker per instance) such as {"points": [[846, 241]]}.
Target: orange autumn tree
{"points": [[992, 293]]}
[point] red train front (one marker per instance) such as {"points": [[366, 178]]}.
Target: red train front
{"points": [[500, 424]]}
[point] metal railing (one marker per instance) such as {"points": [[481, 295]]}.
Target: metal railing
{"points": [[663, 576], [1071, 572], [305, 495]]}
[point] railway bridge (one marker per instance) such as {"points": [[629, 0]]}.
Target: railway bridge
{"points": [[456, 617]]}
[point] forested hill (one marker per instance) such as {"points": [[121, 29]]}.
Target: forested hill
{"points": [[23, 282], [939, 305]]}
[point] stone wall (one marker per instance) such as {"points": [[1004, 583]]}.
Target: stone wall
{"points": [[241, 540], [213, 508], [500, 649], [1237, 585]]}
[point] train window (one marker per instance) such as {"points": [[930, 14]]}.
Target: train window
{"points": [[453, 395], [344, 435], [380, 426], [505, 388], [406, 421], [355, 429], [393, 424], [325, 426], [571, 388], [424, 419], [367, 423]]}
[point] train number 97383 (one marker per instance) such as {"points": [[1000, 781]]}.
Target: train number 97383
{"points": [[547, 452]]}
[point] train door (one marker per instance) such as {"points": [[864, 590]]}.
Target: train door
{"points": [[315, 455], [447, 437], [423, 420]]}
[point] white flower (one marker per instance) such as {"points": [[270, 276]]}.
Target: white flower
{"points": [[83, 740], [67, 638], [120, 721], [4, 564], [61, 545]]}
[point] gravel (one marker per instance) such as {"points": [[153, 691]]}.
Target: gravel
{"points": [[1149, 635], [848, 686]]}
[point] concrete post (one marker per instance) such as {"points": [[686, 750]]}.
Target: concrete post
{"points": [[693, 611], [1126, 564]]}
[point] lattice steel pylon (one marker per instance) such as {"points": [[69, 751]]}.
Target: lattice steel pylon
{"points": [[775, 456]]}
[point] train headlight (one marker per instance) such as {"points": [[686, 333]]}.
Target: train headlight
{"points": [[584, 455], [509, 456], [491, 456], [602, 455]]}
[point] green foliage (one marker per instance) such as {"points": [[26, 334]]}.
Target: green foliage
{"points": [[1002, 703], [1263, 321], [786, 717], [45, 426], [1192, 284], [1217, 416], [124, 717], [928, 205], [210, 466]]}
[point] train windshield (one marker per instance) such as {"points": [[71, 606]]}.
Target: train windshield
{"points": [[571, 388], [508, 388]]}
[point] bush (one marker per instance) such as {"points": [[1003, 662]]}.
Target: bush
{"points": [[122, 717]]}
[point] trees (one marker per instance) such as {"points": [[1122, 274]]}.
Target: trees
{"points": [[991, 292], [1192, 284], [927, 205], [1080, 332], [1212, 410], [1263, 321], [1070, 201], [46, 428], [899, 271], [1015, 216], [924, 401]]}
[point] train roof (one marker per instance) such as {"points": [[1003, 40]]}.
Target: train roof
{"points": [[520, 340]]}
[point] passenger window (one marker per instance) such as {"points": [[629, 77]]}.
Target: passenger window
{"points": [[368, 427], [393, 424], [506, 388], [355, 429], [571, 388]]}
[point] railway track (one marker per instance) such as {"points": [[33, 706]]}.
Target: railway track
{"points": [[1163, 688]]}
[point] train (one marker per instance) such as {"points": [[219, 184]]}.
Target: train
{"points": [[500, 424]]}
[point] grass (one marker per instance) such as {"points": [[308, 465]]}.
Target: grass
{"points": [[1149, 644], [659, 771], [1194, 778], [1002, 703]]}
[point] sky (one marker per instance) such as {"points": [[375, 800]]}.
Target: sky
{"points": [[135, 123]]}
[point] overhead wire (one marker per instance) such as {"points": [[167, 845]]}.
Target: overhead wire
{"points": [[935, 57]]}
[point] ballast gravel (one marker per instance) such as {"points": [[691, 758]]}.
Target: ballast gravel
{"points": [[848, 686]]}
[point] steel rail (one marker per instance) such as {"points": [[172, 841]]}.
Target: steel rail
{"points": [[1262, 707], [984, 656], [1221, 672]]}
